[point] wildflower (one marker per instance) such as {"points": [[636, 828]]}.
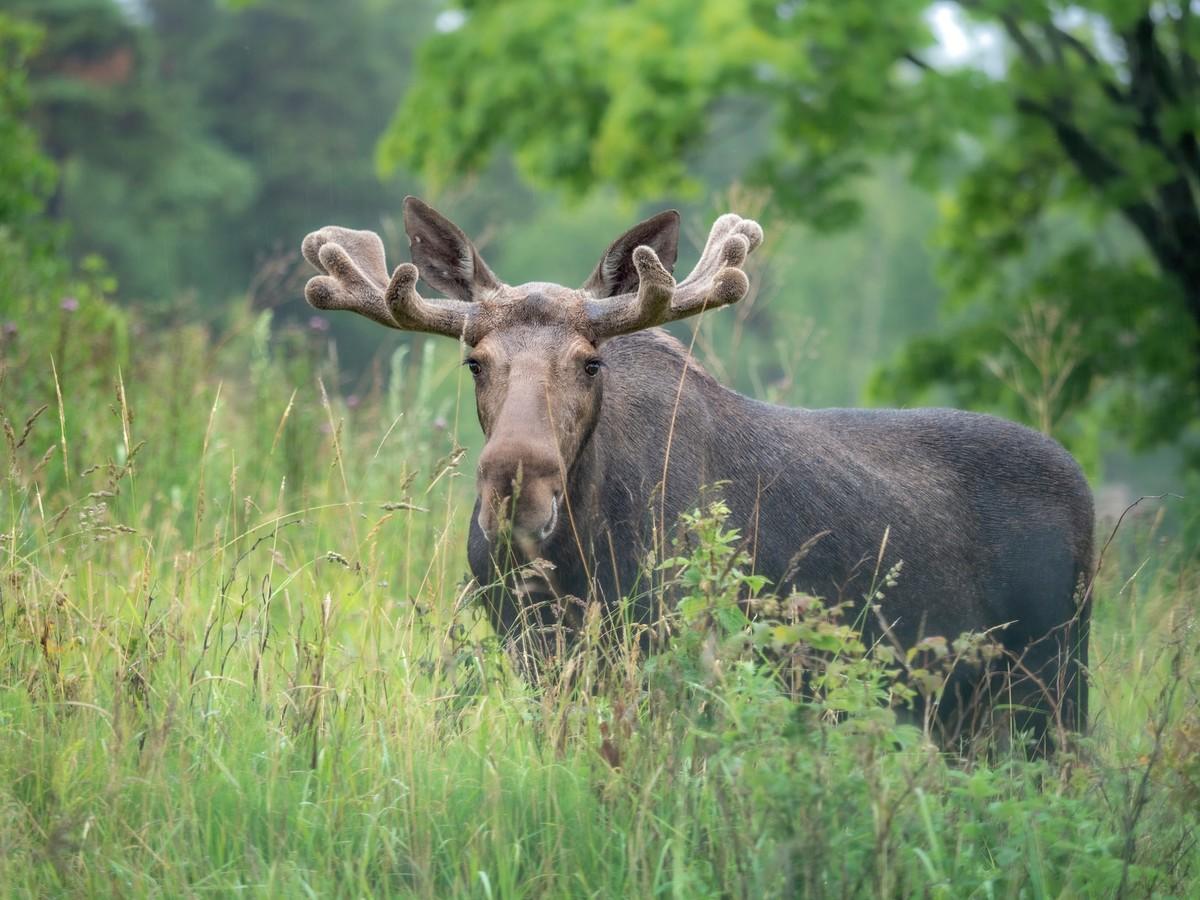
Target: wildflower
{"points": [[318, 323], [9, 329], [352, 401], [439, 424], [68, 304]]}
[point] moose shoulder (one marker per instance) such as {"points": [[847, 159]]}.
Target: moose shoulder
{"points": [[601, 429]]}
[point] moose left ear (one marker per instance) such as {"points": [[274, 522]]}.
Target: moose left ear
{"points": [[616, 274], [444, 256]]}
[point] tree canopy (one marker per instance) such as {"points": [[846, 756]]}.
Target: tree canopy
{"points": [[1066, 162], [26, 176], [196, 139]]}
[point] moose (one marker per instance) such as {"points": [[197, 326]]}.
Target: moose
{"points": [[601, 429]]}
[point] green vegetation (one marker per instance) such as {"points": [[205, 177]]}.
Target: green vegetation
{"points": [[238, 656], [1065, 150], [189, 161]]}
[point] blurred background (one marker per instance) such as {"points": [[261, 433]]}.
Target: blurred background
{"points": [[991, 204]]}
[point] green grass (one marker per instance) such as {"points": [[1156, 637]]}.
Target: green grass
{"points": [[237, 658]]}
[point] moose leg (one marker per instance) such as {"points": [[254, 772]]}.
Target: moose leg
{"points": [[538, 630]]}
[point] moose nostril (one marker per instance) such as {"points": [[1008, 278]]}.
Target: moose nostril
{"points": [[552, 523]]}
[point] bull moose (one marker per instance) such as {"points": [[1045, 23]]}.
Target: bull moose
{"points": [[601, 429]]}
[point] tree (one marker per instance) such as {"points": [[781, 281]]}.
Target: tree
{"points": [[1070, 157], [139, 179], [189, 131], [299, 95], [26, 176]]}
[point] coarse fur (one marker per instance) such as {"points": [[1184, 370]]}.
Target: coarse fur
{"points": [[602, 429]]}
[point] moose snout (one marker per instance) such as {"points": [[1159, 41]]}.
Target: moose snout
{"points": [[523, 491]]}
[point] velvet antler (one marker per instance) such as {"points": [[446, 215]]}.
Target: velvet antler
{"points": [[717, 280], [354, 277], [618, 298]]}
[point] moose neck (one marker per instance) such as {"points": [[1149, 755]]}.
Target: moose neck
{"points": [[652, 430]]}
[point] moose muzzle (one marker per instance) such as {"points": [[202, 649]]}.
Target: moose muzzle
{"points": [[520, 488]]}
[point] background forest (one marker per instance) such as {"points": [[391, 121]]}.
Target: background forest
{"points": [[985, 204], [231, 528]]}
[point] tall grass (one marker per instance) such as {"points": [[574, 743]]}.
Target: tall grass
{"points": [[238, 657]]}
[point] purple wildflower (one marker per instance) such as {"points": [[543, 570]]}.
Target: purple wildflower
{"points": [[68, 304], [318, 323], [352, 401]]}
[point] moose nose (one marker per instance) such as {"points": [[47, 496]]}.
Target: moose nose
{"points": [[521, 489]]}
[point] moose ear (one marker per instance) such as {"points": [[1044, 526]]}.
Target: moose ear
{"points": [[445, 257], [616, 274]]}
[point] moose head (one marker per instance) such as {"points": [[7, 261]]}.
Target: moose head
{"points": [[536, 350]]}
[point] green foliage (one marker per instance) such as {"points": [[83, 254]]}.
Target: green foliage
{"points": [[1068, 156], [198, 140], [236, 656], [716, 576], [622, 92], [1084, 331], [26, 177], [323, 86], [139, 179]]}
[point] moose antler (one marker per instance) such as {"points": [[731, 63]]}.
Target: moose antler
{"points": [[354, 277], [717, 280]]}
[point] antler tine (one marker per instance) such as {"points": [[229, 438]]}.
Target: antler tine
{"points": [[354, 277], [717, 280], [345, 257], [650, 306], [452, 318]]}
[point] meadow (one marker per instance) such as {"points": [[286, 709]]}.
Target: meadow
{"points": [[239, 657]]}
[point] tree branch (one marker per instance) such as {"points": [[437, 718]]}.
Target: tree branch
{"points": [[1018, 37], [918, 62], [1056, 45], [1102, 172], [1151, 83], [1179, 86], [1111, 90], [1170, 223], [1187, 65]]}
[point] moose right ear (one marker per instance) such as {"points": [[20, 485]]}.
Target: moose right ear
{"points": [[445, 257], [616, 273]]}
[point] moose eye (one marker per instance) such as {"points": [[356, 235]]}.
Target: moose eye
{"points": [[592, 367], [473, 367]]}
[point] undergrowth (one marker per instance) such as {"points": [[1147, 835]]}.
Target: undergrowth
{"points": [[238, 657]]}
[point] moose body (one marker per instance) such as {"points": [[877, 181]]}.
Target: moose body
{"points": [[602, 429], [992, 520]]}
